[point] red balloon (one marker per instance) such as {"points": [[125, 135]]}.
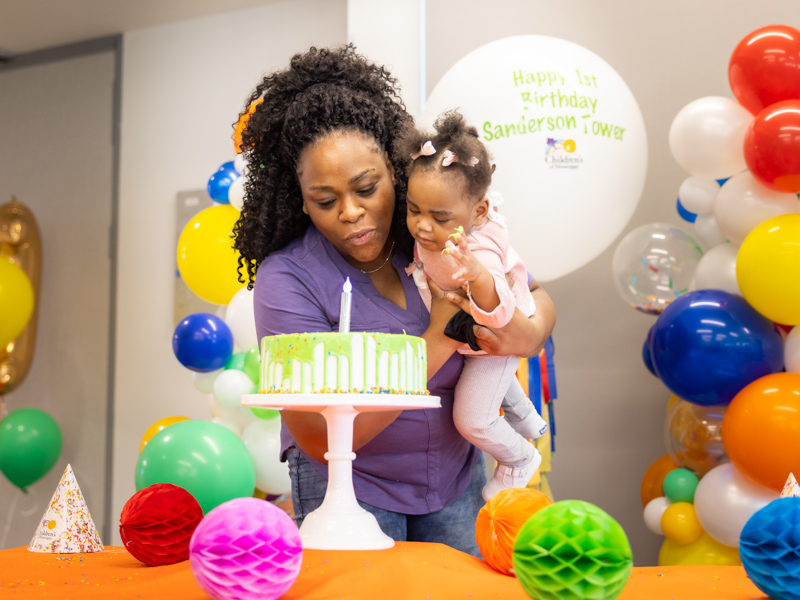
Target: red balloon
{"points": [[765, 67], [772, 146], [157, 524]]}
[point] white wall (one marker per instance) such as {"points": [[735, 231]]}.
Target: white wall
{"points": [[389, 33], [183, 87], [610, 412], [55, 156]]}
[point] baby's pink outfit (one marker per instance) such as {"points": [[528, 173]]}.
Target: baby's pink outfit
{"points": [[487, 382]]}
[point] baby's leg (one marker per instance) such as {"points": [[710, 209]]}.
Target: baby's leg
{"points": [[516, 405], [521, 414], [476, 412]]}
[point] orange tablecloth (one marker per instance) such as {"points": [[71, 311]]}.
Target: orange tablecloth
{"points": [[409, 570]]}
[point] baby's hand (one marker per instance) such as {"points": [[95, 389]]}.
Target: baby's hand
{"points": [[470, 268]]}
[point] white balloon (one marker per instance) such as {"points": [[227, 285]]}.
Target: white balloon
{"points": [[743, 203], [240, 319], [653, 513], [236, 193], [707, 137], [242, 416], [568, 139], [229, 425], [204, 382], [708, 232], [263, 441], [231, 385], [717, 269], [697, 194], [791, 351], [725, 499], [240, 164]]}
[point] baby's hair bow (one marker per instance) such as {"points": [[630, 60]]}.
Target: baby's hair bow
{"points": [[448, 158], [426, 149]]}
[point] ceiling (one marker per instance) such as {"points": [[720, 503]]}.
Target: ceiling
{"points": [[31, 25]]}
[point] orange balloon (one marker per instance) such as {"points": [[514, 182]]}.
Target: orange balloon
{"points": [[761, 429], [654, 478], [242, 123], [158, 426], [500, 520]]}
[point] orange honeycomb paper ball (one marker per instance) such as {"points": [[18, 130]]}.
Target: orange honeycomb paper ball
{"points": [[500, 520]]}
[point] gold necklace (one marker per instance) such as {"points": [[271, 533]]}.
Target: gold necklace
{"points": [[384, 262]]}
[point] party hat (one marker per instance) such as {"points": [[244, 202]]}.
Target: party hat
{"points": [[791, 489], [66, 526]]}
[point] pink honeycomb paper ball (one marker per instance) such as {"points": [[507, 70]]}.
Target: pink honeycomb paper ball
{"points": [[246, 549]]}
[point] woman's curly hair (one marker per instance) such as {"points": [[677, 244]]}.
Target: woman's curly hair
{"points": [[322, 90], [453, 133]]}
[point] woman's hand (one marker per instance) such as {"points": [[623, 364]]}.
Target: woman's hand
{"points": [[522, 336]]}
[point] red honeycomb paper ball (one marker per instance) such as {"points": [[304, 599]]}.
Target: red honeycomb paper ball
{"points": [[157, 523]]}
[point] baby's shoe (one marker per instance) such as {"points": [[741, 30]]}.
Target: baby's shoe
{"points": [[531, 427], [507, 477]]}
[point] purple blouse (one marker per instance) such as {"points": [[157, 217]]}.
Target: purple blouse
{"points": [[418, 464]]}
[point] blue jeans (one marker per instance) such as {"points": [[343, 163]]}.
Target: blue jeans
{"points": [[454, 525]]}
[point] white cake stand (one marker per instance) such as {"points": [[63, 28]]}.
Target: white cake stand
{"points": [[340, 523]]}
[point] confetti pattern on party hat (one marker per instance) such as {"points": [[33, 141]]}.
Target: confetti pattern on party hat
{"points": [[66, 526], [791, 489]]}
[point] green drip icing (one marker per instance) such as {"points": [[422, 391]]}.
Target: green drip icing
{"points": [[288, 348]]}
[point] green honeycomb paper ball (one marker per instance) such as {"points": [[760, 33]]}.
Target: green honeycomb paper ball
{"points": [[572, 550]]}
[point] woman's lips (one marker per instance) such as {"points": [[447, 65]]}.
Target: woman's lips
{"points": [[361, 237]]}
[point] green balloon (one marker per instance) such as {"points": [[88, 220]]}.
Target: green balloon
{"points": [[252, 364], [572, 550], [30, 444], [266, 413], [679, 485], [207, 460], [236, 361]]}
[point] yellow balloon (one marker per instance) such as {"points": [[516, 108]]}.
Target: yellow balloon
{"points": [[206, 258], [768, 269], [16, 300], [680, 523], [158, 426], [705, 550]]}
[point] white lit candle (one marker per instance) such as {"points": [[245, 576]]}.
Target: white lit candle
{"points": [[344, 308]]}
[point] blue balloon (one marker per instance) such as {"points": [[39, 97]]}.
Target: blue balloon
{"points": [[770, 549], [647, 357], [202, 342], [219, 184], [709, 344], [685, 214], [227, 165]]}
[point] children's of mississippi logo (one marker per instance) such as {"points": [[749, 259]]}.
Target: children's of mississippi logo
{"points": [[560, 154]]}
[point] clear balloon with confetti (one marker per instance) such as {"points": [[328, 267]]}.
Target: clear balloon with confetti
{"points": [[653, 265]]}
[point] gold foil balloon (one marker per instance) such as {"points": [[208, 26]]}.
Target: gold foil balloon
{"points": [[21, 243], [693, 435]]}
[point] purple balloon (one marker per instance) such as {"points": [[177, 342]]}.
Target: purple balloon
{"points": [[246, 549]]}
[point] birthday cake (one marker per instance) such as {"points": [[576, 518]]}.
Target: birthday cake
{"points": [[354, 363]]}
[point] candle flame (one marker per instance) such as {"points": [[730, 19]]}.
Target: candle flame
{"points": [[347, 287]]}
